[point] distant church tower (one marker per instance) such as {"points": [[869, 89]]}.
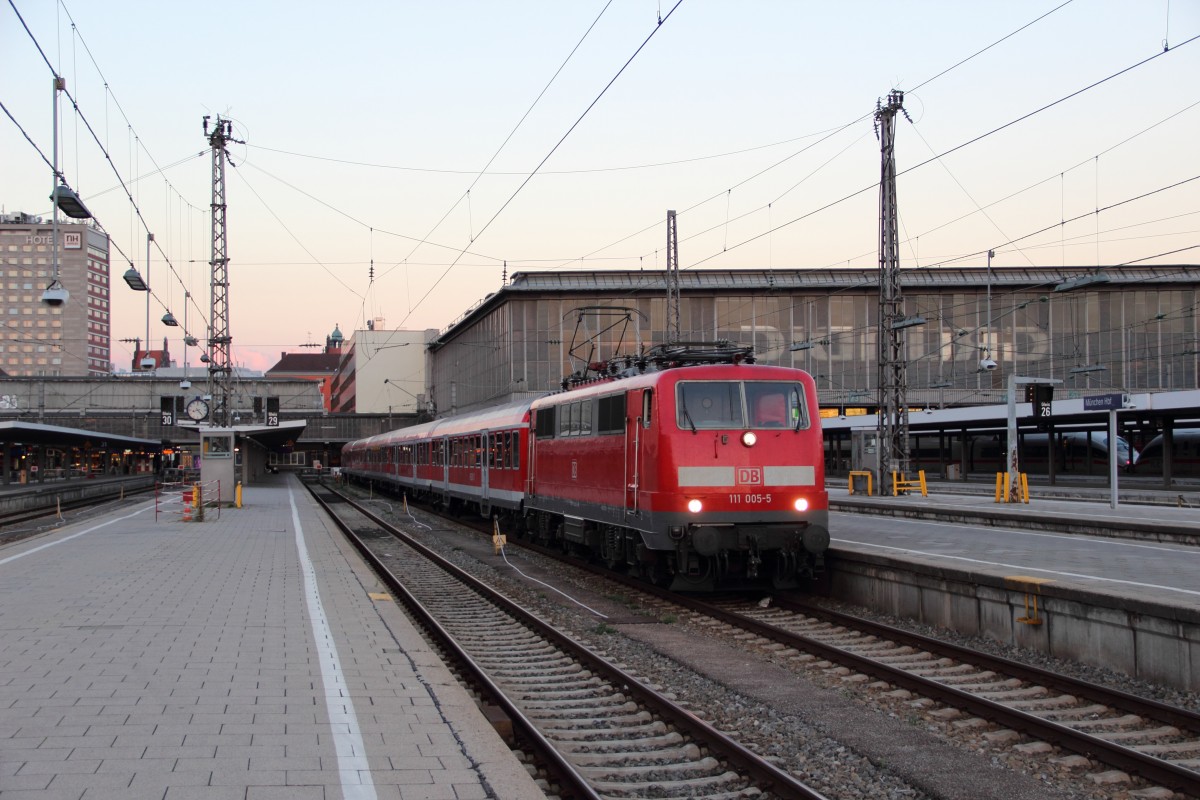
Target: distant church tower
{"points": [[333, 342]]}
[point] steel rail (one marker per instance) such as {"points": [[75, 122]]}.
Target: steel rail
{"points": [[1131, 703], [1153, 769], [749, 763], [574, 783]]}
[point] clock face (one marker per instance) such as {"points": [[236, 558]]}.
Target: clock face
{"points": [[197, 409]]}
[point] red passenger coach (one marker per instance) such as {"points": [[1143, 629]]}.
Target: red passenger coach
{"points": [[700, 470], [473, 460], [707, 476]]}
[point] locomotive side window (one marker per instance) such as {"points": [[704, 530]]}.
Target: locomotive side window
{"points": [[585, 418], [610, 414], [647, 405], [545, 423]]}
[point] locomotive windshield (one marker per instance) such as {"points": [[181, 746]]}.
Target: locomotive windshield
{"points": [[740, 404]]}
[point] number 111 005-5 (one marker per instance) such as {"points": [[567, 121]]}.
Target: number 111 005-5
{"points": [[749, 499]]}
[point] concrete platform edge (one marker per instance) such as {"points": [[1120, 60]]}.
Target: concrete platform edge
{"points": [[1143, 638], [497, 763]]}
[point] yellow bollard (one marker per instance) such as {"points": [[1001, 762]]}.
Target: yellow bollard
{"points": [[237, 499]]}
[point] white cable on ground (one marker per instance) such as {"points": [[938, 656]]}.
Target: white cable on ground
{"points": [[504, 553]]}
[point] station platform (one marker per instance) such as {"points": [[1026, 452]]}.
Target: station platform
{"points": [[1140, 513], [1071, 576], [252, 656]]}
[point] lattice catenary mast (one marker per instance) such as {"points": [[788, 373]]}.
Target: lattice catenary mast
{"points": [[220, 365], [673, 334], [893, 363]]}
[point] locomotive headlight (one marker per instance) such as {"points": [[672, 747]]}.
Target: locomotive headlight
{"points": [[694, 506], [801, 504], [749, 439]]}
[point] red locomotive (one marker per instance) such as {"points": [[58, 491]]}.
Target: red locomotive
{"points": [[679, 469]]}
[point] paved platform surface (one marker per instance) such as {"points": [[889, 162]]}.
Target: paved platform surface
{"points": [[236, 658], [971, 532]]}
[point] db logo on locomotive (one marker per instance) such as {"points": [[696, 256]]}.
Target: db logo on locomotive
{"points": [[749, 476]]}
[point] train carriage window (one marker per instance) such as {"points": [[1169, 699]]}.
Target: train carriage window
{"points": [[516, 450], [647, 406], [585, 418]]}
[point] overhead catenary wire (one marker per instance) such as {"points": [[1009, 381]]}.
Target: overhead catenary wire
{"points": [[80, 116], [548, 155], [772, 213], [507, 139], [943, 154]]}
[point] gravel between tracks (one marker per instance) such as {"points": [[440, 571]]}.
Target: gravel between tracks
{"points": [[825, 726]]}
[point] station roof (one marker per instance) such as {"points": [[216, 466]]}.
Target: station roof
{"points": [[1182, 408], [19, 432], [272, 437], [632, 283], [912, 279]]}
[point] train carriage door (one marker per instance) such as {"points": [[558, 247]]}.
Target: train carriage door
{"points": [[444, 472], [486, 462]]}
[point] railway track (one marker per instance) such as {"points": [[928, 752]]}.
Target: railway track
{"points": [[1002, 701], [603, 733], [29, 522], [1158, 742]]}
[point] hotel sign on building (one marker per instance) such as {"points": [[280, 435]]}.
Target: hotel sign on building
{"points": [[40, 339]]}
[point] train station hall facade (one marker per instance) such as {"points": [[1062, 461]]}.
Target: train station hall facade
{"points": [[1129, 329]]}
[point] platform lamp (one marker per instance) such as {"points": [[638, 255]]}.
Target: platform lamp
{"points": [[147, 362], [188, 341], [64, 199]]}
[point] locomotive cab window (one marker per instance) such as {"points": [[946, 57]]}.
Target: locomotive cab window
{"points": [[707, 405], [776, 405]]}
